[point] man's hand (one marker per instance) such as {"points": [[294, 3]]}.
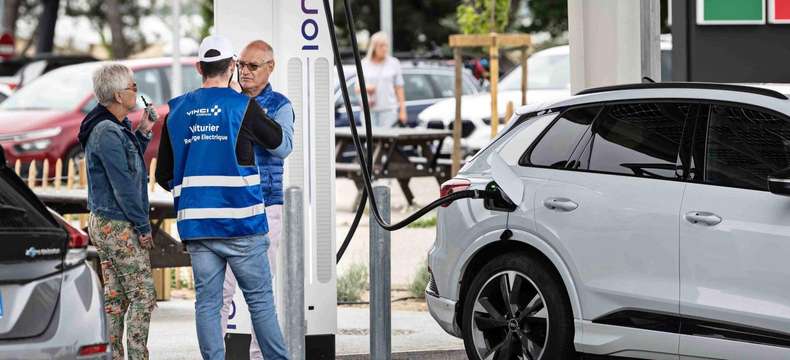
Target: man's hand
{"points": [[147, 241], [146, 124]]}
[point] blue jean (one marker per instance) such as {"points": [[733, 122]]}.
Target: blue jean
{"points": [[248, 260]]}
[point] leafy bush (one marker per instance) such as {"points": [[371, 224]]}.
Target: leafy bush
{"points": [[420, 282], [351, 284]]}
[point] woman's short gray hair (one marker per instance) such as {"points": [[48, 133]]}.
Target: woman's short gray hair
{"points": [[110, 79]]}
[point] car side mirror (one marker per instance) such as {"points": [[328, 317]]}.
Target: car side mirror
{"points": [[779, 182]]}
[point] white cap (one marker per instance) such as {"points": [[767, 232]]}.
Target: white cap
{"points": [[221, 46]]}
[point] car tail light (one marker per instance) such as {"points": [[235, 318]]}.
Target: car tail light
{"points": [[93, 349], [453, 185], [78, 239], [77, 251]]}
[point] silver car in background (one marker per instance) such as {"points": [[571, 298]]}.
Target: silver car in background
{"points": [[51, 304]]}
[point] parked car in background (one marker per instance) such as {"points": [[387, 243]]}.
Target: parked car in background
{"points": [[548, 80], [5, 92], [9, 69], [20, 71], [644, 221], [51, 304], [41, 120], [424, 85]]}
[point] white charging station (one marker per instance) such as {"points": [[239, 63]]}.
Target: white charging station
{"points": [[297, 30]]}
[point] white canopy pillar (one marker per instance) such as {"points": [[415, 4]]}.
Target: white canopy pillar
{"points": [[613, 42]]}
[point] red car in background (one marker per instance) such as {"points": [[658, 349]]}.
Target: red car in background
{"points": [[41, 120]]}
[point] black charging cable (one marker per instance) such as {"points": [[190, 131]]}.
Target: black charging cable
{"points": [[365, 162]]}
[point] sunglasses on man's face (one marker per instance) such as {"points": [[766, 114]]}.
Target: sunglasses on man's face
{"points": [[251, 65]]}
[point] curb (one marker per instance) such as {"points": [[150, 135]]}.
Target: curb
{"points": [[414, 355]]}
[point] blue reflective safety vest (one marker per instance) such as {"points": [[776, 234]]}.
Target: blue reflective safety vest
{"points": [[214, 196], [270, 166]]}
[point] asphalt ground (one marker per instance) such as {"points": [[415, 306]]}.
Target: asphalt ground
{"points": [[415, 334], [173, 336]]}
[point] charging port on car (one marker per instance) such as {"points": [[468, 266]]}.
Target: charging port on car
{"points": [[495, 199]]}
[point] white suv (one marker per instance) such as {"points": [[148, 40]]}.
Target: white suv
{"points": [[651, 221]]}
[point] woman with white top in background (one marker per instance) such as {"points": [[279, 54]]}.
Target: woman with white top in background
{"points": [[384, 84]]}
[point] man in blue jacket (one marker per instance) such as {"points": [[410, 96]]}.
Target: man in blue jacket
{"points": [[206, 157], [256, 65]]}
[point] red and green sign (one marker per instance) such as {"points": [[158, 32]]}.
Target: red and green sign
{"points": [[779, 11], [731, 12]]}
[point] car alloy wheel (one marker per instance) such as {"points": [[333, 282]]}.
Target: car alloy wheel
{"points": [[510, 318], [515, 307]]}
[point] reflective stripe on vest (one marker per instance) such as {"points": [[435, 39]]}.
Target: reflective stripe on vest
{"points": [[214, 196], [216, 181], [221, 213]]}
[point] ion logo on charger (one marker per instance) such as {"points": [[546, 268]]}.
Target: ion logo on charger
{"points": [[309, 27]]}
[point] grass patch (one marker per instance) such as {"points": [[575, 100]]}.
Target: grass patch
{"points": [[424, 222], [420, 282], [353, 282]]}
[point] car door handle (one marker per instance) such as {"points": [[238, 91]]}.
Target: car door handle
{"points": [[560, 204], [704, 218]]}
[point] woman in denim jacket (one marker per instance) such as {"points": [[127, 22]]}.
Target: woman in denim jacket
{"points": [[118, 201]]}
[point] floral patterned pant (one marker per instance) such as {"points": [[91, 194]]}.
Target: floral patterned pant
{"points": [[128, 284]]}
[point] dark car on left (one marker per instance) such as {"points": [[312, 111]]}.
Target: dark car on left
{"points": [[51, 303]]}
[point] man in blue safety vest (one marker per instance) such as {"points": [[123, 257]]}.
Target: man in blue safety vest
{"points": [[206, 158], [255, 66]]}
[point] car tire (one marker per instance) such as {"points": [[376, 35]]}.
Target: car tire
{"points": [[539, 319]]}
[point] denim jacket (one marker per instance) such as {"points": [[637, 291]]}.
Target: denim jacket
{"points": [[117, 178]]}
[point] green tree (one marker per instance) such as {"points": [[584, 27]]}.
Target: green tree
{"points": [[474, 16], [552, 16], [16, 11], [547, 15], [122, 17], [207, 13], [418, 25]]}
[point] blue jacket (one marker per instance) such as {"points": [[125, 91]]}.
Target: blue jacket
{"points": [[215, 197], [117, 178], [270, 162]]}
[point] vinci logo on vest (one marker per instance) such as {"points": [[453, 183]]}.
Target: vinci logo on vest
{"points": [[205, 111]]}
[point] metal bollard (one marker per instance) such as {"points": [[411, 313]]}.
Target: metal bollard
{"points": [[380, 312], [292, 296]]}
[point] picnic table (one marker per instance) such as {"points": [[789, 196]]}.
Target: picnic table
{"points": [[167, 251], [398, 153]]}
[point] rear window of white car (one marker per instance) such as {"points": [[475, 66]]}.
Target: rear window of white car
{"points": [[511, 142], [514, 145], [558, 143]]}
